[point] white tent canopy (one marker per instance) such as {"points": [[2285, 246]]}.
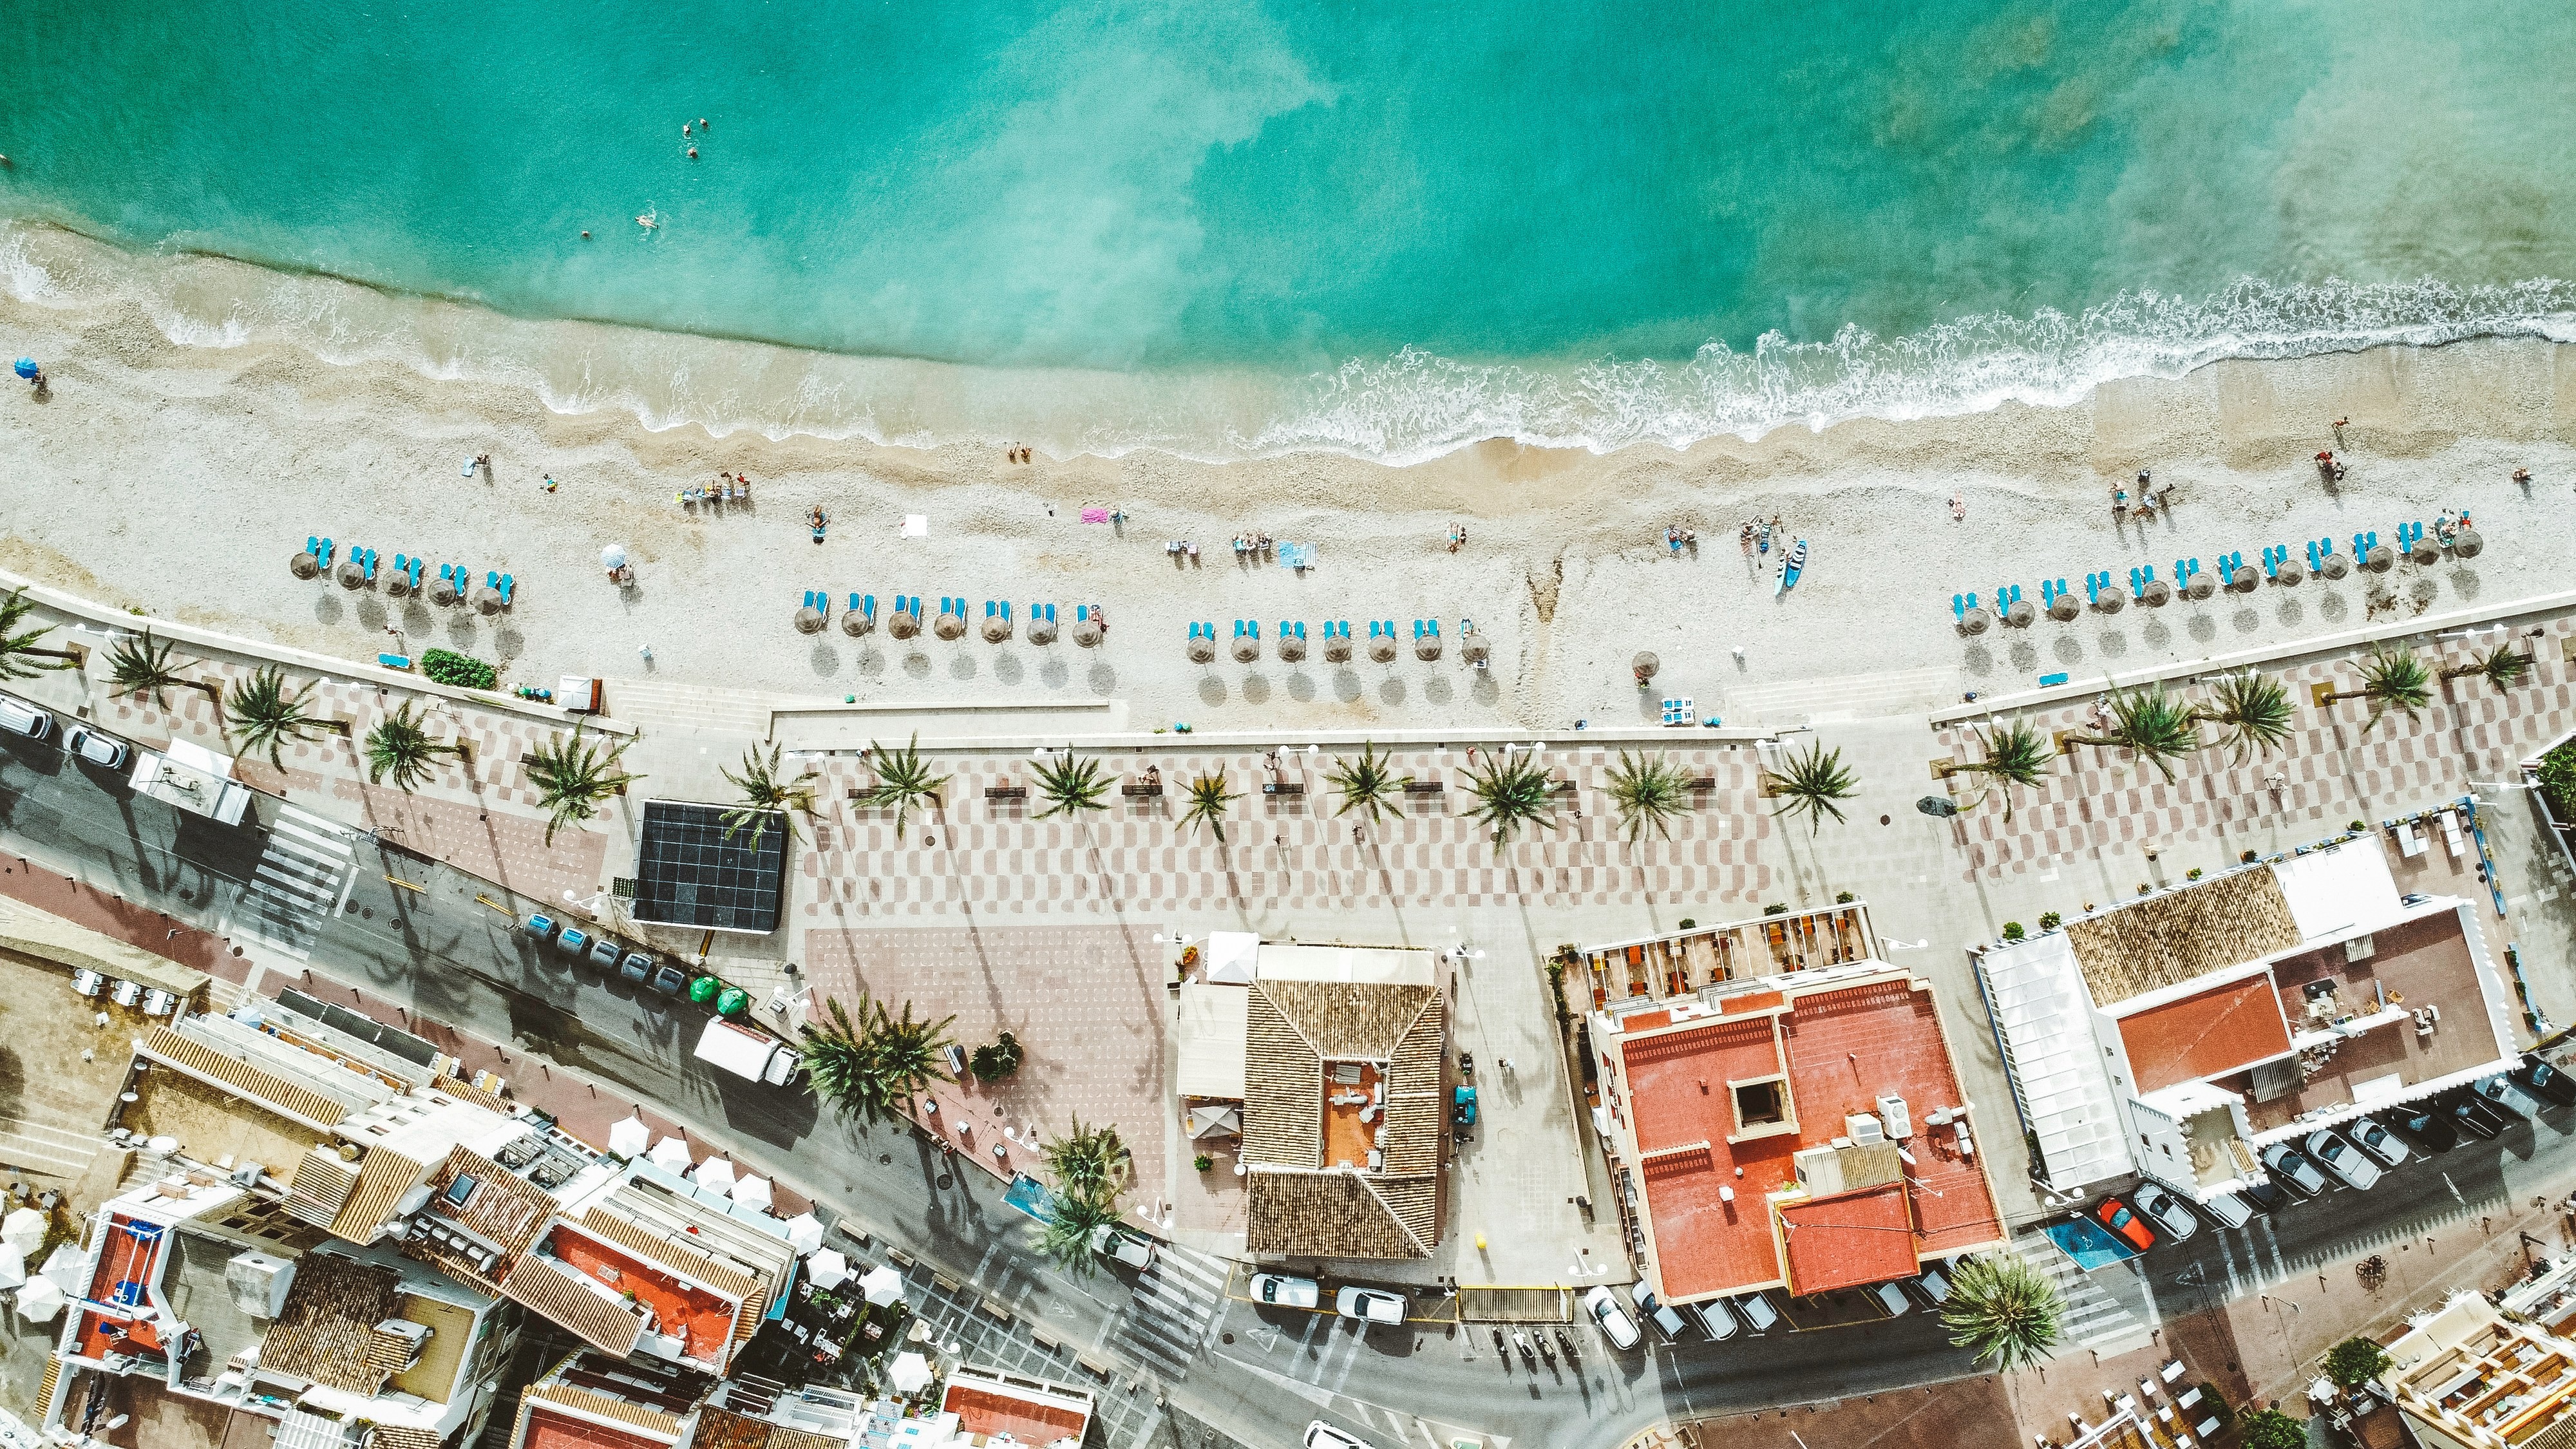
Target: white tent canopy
{"points": [[828, 1268], [910, 1371], [715, 1175], [40, 1300], [1230, 956], [13, 1268], [752, 1192], [23, 1230], [805, 1232], [883, 1285], [628, 1138], [671, 1154]]}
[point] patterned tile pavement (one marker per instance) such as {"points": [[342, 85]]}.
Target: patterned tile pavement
{"points": [[2329, 773]]}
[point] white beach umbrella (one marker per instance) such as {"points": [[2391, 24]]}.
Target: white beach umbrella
{"points": [[828, 1269], [908, 1372], [883, 1285], [613, 556], [23, 1230], [671, 1154], [752, 1192], [40, 1300], [715, 1175], [13, 1268], [628, 1138], [805, 1232]]}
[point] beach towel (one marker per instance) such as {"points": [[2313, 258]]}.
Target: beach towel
{"points": [[1296, 555], [916, 525], [467, 471], [1095, 515]]}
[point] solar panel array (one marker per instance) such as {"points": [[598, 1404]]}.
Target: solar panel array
{"points": [[691, 874]]}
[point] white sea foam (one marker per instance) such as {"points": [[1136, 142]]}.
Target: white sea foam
{"points": [[1405, 408]]}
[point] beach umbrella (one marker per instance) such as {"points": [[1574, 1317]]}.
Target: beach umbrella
{"points": [[2111, 601], [2424, 552], [2066, 607], [630, 1137], [2019, 613], [2334, 566], [752, 1192], [828, 1268], [27, 367], [809, 620], [715, 1175], [1974, 621], [40, 1300], [903, 625], [613, 556], [2466, 543], [398, 585], [671, 1154], [950, 626], [1041, 628], [909, 1373], [1086, 631], [305, 566], [2155, 594], [2289, 571], [23, 1230], [1474, 650], [855, 622], [1337, 649], [883, 1285], [443, 591], [1382, 649], [13, 1268], [2379, 560], [487, 600], [996, 628], [1202, 649], [1427, 647], [1644, 665], [1246, 649], [352, 576], [805, 1232], [2202, 585], [1292, 648]]}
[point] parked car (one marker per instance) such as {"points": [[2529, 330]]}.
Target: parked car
{"points": [[1320, 1435], [541, 927], [573, 942], [2348, 1163], [2293, 1170], [2376, 1140], [1122, 1247], [1758, 1313], [2165, 1211], [2114, 1214], [1716, 1319], [21, 718], [2544, 1080], [1281, 1291], [2428, 1127], [669, 979], [2261, 1194], [1891, 1300], [1931, 1285], [1369, 1305], [1614, 1322], [1667, 1322], [2503, 1092], [2474, 1115], [2230, 1208], [92, 748]]}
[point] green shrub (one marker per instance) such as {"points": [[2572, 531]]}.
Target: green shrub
{"points": [[460, 671], [2272, 1429], [2012, 930], [2192, 874], [1687, 923], [1776, 908], [2245, 858], [2358, 826], [2049, 920], [1844, 898], [2355, 1361], [2558, 781], [993, 1062], [1202, 1162]]}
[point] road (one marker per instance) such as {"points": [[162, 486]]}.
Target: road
{"points": [[1259, 1372]]}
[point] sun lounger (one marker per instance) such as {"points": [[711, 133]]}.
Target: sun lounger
{"points": [[394, 661], [2171, 1371], [503, 584], [467, 471], [2186, 1400]]}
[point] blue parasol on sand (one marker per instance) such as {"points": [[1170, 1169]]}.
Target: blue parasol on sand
{"points": [[26, 367]]}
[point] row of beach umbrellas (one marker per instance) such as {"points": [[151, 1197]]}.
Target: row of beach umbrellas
{"points": [[1337, 648], [901, 624]]}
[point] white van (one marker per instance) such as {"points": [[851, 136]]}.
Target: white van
{"points": [[21, 718], [752, 1055], [2230, 1209]]}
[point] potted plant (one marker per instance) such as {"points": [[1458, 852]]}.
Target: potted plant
{"points": [[1202, 1162], [2192, 874], [2012, 930], [2050, 920]]}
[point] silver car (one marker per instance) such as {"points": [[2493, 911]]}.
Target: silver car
{"points": [[2294, 1170], [2376, 1140], [1281, 1291], [2342, 1159], [2165, 1211], [90, 747]]}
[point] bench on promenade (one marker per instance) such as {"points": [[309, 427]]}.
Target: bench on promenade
{"points": [[1135, 791], [1421, 787], [1291, 789]]}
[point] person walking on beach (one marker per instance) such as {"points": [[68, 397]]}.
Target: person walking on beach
{"points": [[1744, 539], [1958, 509]]}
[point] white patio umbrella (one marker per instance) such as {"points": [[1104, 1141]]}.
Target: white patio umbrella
{"points": [[628, 1138], [23, 1230], [908, 1372], [804, 1232], [828, 1268], [13, 1268], [671, 1154], [40, 1300], [613, 556], [752, 1192], [715, 1175], [883, 1285]]}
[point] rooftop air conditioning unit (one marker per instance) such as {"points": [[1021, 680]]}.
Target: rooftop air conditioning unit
{"points": [[258, 1282], [1864, 1130], [1892, 1112]]}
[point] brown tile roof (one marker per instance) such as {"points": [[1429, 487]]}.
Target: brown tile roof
{"points": [[1413, 1104], [507, 1208], [311, 1109], [786, 1438], [560, 1295], [465, 1091], [320, 1186], [1283, 1090], [2168, 939], [382, 1180], [324, 1330], [398, 1436], [722, 1428], [1358, 1021], [1333, 1215], [641, 1416]]}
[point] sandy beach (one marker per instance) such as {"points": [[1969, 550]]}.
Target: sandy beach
{"points": [[179, 479]]}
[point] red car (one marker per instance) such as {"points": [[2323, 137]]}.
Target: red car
{"points": [[2114, 1214]]}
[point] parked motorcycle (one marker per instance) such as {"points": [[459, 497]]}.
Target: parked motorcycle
{"points": [[1502, 1350], [1527, 1357], [1565, 1341]]}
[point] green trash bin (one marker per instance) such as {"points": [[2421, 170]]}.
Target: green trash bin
{"points": [[704, 989], [733, 1002]]}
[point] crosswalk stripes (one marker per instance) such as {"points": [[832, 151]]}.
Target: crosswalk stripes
{"points": [[1174, 1309], [300, 881], [2093, 1318]]}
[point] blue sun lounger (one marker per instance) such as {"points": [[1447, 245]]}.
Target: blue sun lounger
{"points": [[502, 584], [865, 606], [320, 548]]}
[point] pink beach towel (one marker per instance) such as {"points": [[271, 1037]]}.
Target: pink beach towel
{"points": [[1095, 515]]}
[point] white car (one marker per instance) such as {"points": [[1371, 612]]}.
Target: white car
{"points": [[2165, 1211], [1120, 1247], [1931, 1285], [2229, 1208], [1891, 1300], [1716, 1318], [1616, 1325], [1369, 1305], [1758, 1313], [1320, 1435], [21, 718], [2341, 1158], [88, 745], [1281, 1291], [1667, 1322], [2376, 1140]]}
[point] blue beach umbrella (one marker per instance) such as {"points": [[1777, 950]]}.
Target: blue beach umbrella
{"points": [[26, 367]]}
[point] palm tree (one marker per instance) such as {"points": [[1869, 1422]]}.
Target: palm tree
{"points": [[1368, 784], [400, 747], [1511, 792], [841, 1057], [1811, 784], [18, 651], [2504, 666], [140, 664], [2254, 711], [764, 794], [2004, 1309], [1649, 793], [573, 778], [262, 714], [1071, 785], [2016, 754], [902, 779], [2150, 724], [2392, 677], [908, 1052], [1064, 1237], [1208, 801], [1090, 1162]]}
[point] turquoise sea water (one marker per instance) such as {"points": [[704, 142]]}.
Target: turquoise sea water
{"points": [[1227, 226]]}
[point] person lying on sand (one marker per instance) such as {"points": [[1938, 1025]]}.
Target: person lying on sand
{"points": [[1958, 509]]}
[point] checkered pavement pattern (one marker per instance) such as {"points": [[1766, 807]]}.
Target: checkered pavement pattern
{"points": [[2327, 774], [994, 858]]}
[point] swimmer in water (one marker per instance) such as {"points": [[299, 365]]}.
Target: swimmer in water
{"points": [[684, 129], [648, 220], [585, 236], [693, 153]]}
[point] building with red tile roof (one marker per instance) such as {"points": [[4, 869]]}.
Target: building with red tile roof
{"points": [[1803, 1130]]}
